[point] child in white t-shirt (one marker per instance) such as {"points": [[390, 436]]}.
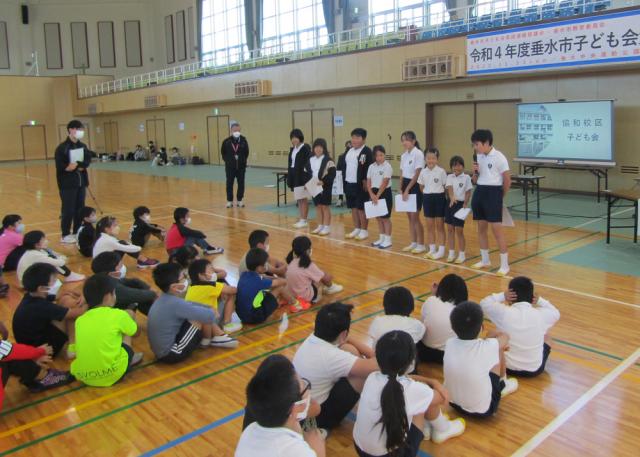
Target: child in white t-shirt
{"points": [[514, 313], [432, 180], [474, 369], [411, 164], [379, 186], [436, 317], [458, 188], [398, 305], [397, 411]]}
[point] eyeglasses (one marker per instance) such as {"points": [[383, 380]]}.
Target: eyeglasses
{"points": [[307, 387]]}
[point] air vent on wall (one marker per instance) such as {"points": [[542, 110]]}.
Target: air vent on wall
{"points": [[433, 68], [629, 169], [155, 101], [258, 88], [94, 108]]}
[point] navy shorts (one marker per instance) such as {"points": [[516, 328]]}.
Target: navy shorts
{"points": [[497, 385], [187, 340], [427, 354], [324, 197], [356, 196], [487, 203], [434, 205], [410, 448], [386, 195], [546, 350], [450, 211], [414, 190], [259, 315], [341, 400]]}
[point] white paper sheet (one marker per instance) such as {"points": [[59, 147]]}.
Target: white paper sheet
{"points": [[462, 213], [76, 155], [300, 193], [507, 220], [371, 210], [337, 184], [313, 187], [410, 206]]}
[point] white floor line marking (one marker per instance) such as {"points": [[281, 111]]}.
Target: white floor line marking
{"points": [[584, 224], [13, 175], [402, 254], [576, 406]]}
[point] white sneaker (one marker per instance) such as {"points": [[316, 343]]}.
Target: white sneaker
{"points": [[385, 244], [418, 249], [456, 428], [300, 224], [333, 289], [353, 234], [317, 230], [480, 265], [240, 204], [451, 258], [136, 359], [363, 235], [461, 259], [224, 341], [409, 248], [74, 277], [377, 242], [69, 239], [232, 327], [510, 386], [503, 271], [325, 231], [229, 204], [437, 255]]}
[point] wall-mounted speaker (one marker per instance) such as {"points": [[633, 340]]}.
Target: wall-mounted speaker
{"points": [[25, 14]]}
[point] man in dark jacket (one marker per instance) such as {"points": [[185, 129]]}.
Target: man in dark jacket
{"points": [[235, 152], [72, 159]]}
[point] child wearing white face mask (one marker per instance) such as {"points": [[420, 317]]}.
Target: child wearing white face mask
{"points": [[260, 239], [38, 319], [87, 234], [180, 234], [37, 250], [176, 327], [142, 228], [10, 247], [107, 231]]}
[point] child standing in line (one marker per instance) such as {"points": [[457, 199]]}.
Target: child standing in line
{"points": [[180, 234], [411, 164], [341, 166], [357, 161], [206, 290], [432, 182], [397, 411], [142, 227], [379, 186], [37, 250], [297, 175], [107, 230], [398, 304], [458, 188], [304, 277], [87, 232], [321, 168]]}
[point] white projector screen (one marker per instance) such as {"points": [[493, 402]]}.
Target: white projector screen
{"points": [[575, 131]]}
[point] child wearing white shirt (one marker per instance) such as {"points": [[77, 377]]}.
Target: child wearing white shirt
{"points": [[432, 180], [514, 313], [411, 164], [397, 411], [379, 186], [458, 187], [322, 169], [398, 304], [107, 230], [474, 368], [436, 317]]}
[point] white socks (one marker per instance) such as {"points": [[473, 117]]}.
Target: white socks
{"points": [[440, 423], [484, 253], [504, 261], [432, 249]]}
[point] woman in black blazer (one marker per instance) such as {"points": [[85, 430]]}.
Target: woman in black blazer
{"points": [[297, 176]]}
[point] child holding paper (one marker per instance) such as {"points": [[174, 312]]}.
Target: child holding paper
{"points": [[379, 187], [323, 172], [297, 176], [458, 187], [411, 164]]}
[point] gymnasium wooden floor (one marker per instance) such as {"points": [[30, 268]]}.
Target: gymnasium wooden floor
{"points": [[587, 403]]}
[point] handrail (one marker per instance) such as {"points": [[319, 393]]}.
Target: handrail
{"points": [[339, 42]]}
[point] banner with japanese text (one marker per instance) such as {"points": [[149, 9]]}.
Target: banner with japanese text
{"points": [[595, 40]]}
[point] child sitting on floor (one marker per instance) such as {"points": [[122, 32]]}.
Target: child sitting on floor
{"points": [[260, 239], [37, 250], [103, 336], [87, 233], [514, 313], [180, 234], [107, 231], [142, 227], [206, 290], [398, 305]]}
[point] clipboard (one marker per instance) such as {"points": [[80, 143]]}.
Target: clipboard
{"points": [[371, 210]]}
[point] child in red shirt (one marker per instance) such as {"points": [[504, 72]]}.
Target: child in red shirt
{"points": [[180, 235]]}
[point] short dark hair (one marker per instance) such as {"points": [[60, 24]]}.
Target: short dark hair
{"points": [[379, 148], [32, 238], [272, 391], [456, 160], [523, 287], [359, 131], [466, 320], [106, 262], [433, 150], [483, 136], [180, 213], [183, 256], [37, 275], [255, 258], [166, 274], [332, 320], [297, 133], [322, 143], [96, 287], [257, 237], [196, 268], [87, 211], [398, 300], [140, 211], [75, 124], [452, 288]]}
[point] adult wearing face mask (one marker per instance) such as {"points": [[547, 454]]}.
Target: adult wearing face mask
{"points": [[72, 159], [235, 153]]}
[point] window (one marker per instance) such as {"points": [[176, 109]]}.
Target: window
{"points": [[492, 6], [389, 15], [292, 25], [223, 32]]}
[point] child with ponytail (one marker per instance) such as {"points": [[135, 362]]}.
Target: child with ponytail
{"points": [[303, 276], [107, 231], [410, 405]]}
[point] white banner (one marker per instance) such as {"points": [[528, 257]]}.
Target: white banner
{"points": [[595, 40]]}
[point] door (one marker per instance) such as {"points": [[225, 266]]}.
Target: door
{"points": [[315, 123], [111, 140], [500, 118], [34, 142], [217, 131], [453, 125], [156, 132]]}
